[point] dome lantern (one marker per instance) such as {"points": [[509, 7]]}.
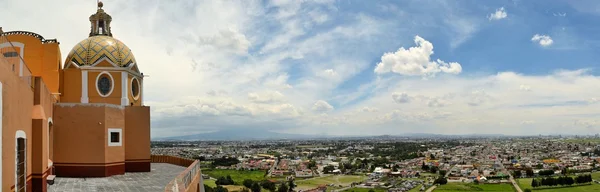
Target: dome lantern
{"points": [[100, 22]]}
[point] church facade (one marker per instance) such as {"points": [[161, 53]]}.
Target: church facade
{"points": [[83, 117]]}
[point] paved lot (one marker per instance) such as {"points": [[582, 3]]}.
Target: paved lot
{"points": [[155, 180]]}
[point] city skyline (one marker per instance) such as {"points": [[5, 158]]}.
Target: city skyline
{"points": [[351, 67]]}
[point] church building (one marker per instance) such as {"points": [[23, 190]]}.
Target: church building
{"points": [[84, 117]]}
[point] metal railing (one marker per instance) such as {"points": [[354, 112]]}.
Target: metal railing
{"points": [[10, 55]]}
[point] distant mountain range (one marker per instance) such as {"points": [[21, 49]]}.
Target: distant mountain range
{"points": [[237, 135], [267, 135]]}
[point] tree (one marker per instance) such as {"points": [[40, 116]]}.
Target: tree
{"points": [[229, 180], [433, 169], [208, 188], [517, 173], [312, 164], [440, 180], [221, 189], [443, 172], [424, 167], [255, 187], [328, 169], [529, 172], [268, 185], [248, 183], [527, 190], [291, 185], [534, 183], [431, 156], [282, 188]]}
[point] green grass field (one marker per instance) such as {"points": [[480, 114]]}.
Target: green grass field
{"points": [[210, 183], [237, 176], [356, 189], [454, 187], [583, 140], [596, 176], [333, 179], [526, 184]]}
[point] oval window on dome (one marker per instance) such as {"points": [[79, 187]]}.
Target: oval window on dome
{"points": [[135, 88], [104, 84]]}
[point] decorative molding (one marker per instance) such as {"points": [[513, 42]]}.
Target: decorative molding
{"points": [[112, 84], [89, 105], [84, 87], [104, 59], [124, 89], [32, 34], [95, 69]]}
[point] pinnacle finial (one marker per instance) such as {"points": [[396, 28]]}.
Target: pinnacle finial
{"points": [[100, 4]]}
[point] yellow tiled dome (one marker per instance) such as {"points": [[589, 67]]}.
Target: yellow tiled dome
{"points": [[95, 48]]}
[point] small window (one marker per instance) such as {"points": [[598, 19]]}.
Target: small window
{"points": [[11, 54], [115, 137]]}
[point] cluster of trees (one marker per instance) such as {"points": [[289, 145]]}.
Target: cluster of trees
{"points": [[225, 161], [224, 181], [216, 189], [432, 169], [257, 186], [563, 180], [440, 180], [546, 172]]}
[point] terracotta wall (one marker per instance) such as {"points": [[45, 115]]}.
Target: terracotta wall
{"points": [[79, 133], [115, 119], [137, 133], [42, 114], [115, 95], [71, 86], [17, 103]]}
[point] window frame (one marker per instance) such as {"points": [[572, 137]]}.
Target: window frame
{"points": [[136, 81], [112, 83], [110, 142]]}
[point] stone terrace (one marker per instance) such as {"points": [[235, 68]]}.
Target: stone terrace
{"points": [[156, 180]]}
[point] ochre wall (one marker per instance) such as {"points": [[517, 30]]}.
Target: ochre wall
{"points": [[17, 103], [137, 133], [71, 86], [115, 95], [114, 119], [42, 59], [79, 133]]}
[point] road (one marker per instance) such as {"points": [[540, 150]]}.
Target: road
{"points": [[512, 180], [272, 168], [431, 188]]}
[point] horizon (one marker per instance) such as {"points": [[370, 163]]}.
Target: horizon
{"points": [[350, 67]]}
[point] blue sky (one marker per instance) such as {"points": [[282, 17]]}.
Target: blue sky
{"points": [[347, 67]]}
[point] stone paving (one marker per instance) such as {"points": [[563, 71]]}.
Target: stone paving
{"points": [[155, 180]]}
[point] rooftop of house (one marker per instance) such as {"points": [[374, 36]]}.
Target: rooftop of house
{"points": [[155, 180]]}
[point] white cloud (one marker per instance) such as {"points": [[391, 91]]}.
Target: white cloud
{"points": [[400, 97], [524, 88], [543, 40], [217, 65], [499, 14], [266, 97], [415, 61], [322, 106], [229, 39], [560, 14]]}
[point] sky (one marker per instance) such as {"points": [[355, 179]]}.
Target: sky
{"points": [[349, 67]]}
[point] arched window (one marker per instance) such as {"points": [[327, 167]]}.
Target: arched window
{"points": [[21, 162]]}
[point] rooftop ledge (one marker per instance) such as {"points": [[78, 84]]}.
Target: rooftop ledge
{"points": [[166, 172]]}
